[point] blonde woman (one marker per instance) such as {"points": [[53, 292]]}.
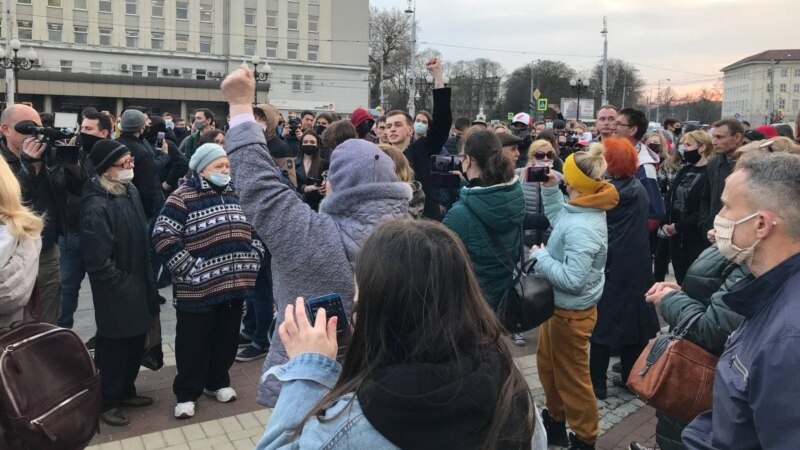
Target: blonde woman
{"points": [[537, 228], [20, 243], [667, 170], [406, 174]]}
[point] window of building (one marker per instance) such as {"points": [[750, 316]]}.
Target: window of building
{"points": [[206, 13], [200, 74], [250, 17], [79, 4], [25, 29], [182, 42], [272, 19], [105, 36], [66, 66], [313, 52], [782, 103], [182, 11], [132, 7], [784, 73], [81, 33], [308, 85], [797, 72], [104, 6], [249, 47], [783, 87], [137, 70], [272, 49], [24, 2], [795, 104], [158, 8], [766, 104], [205, 44], [188, 74], [293, 21], [132, 38], [796, 88], [291, 51], [313, 24], [157, 40], [96, 67], [54, 32], [297, 81], [313, 2], [54, 3], [152, 71]]}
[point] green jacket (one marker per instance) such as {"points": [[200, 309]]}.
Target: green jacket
{"points": [[189, 145], [502, 208]]}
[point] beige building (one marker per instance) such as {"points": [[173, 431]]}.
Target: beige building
{"points": [[170, 55], [747, 87]]}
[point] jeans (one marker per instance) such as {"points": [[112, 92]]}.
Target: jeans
{"points": [[259, 314], [72, 272]]}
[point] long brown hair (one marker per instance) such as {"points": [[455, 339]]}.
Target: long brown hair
{"points": [[426, 307], [316, 161], [485, 148]]}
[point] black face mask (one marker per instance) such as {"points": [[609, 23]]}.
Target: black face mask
{"points": [[179, 130], [309, 149], [521, 133], [319, 129], [363, 128], [88, 141], [691, 156], [654, 147], [677, 131]]}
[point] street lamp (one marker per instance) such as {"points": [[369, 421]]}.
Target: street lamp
{"points": [[658, 100], [261, 76], [16, 63], [578, 86], [412, 11]]}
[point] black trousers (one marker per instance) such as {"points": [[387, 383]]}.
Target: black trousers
{"points": [[661, 259], [599, 356], [205, 348], [118, 361]]}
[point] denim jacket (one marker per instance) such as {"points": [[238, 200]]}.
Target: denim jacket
{"points": [[306, 379]]}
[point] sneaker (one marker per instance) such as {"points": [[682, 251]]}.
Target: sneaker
{"points": [[556, 431], [184, 410], [244, 342], [250, 353], [576, 444], [518, 339], [224, 395]]}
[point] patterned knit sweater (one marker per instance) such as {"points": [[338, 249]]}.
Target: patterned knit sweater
{"points": [[209, 247]]}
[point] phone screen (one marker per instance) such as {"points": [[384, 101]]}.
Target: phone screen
{"points": [[536, 174], [332, 303]]}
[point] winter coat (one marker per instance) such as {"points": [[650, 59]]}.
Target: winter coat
{"points": [[303, 179], [709, 278], [623, 316], [500, 207], [537, 227], [647, 175], [718, 170], [145, 174], [172, 166], [313, 254], [115, 245], [575, 258], [684, 209], [19, 265], [420, 151], [756, 386], [189, 144], [211, 251]]}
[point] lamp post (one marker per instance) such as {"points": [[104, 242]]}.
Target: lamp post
{"points": [[262, 75], [412, 94], [16, 63], [658, 100], [578, 86]]}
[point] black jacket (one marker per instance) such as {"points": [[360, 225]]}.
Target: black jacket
{"points": [[718, 170], [420, 151], [145, 175], [313, 199], [684, 210], [172, 166], [115, 245]]}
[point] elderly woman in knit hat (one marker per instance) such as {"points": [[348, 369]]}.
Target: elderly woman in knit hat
{"points": [[214, 255], [116, 249], [574, 261], [624, 319]]}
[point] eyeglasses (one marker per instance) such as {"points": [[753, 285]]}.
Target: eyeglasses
{"points": [[124, 164], [543, 155], [620, 124]]}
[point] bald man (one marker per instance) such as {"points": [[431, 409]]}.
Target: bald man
{"points": [[45, 190]]}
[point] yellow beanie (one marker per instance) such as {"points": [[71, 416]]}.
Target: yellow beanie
{"points": [[579, 181]]}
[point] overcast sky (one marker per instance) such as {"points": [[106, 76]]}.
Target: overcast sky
{"points": [[686, 41]]}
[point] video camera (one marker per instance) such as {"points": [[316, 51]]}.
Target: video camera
{"points": [[55, 154], [293, 124], [441, 171]]}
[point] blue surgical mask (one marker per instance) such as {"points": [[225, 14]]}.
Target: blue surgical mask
{"points": [[219, 179], [681, 149], [280, 130], [420, 128]]}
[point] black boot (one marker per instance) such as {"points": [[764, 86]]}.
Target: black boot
{"points": [[576, 444], [115, 417], [556, 431]]}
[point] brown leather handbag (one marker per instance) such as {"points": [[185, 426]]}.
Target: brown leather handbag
{"points": [[675, 375]]}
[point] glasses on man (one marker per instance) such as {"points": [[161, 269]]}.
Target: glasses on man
{"points": [[127, 164], [620, 124], [544, 155]]}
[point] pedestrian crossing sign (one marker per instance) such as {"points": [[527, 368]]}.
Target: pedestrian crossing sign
{"points": [[541, 104]]}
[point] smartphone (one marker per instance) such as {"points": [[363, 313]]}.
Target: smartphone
{"points": [[445, 180], [314, 181], [332, 303], [537, 174], [160, 140]]}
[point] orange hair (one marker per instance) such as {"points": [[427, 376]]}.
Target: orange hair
{"points": [[621, 157]]}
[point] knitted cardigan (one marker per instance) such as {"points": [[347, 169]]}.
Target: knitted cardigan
{"points": [[209, 247]]}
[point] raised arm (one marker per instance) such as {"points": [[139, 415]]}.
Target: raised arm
{"points": [[439, 129]]}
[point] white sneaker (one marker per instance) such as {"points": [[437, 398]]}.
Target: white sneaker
{"points": [[224, 395], [518, 339], [184, 410]]}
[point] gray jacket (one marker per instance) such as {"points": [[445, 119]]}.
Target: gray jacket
{"points": [[19, 265], [313, 254]]}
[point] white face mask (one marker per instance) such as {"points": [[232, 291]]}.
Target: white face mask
{"points": [[724, 235], [125, 176]]}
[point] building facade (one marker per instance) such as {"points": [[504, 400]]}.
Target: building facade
{"points": [[170, 55], [747, 87]]}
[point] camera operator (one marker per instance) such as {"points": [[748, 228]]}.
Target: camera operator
{"points": [[294, 129], [566, 139], [44, 188]]}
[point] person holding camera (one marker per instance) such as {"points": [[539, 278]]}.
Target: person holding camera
{"points": [[44, 183], [294, 129]]}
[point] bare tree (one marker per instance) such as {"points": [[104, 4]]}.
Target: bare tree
{"points": [[390, 44], [623, 83]]}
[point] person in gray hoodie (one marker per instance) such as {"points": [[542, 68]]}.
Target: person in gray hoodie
{"points": [[318, 259]]}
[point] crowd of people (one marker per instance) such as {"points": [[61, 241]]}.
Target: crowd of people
{"points": [[420, 267]]}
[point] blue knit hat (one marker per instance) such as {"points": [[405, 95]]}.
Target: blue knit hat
{"points": [[205, 155], [356, 162]]}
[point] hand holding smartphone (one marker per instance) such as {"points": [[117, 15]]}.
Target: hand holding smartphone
{"points": [[536, 174], [332, 303]]}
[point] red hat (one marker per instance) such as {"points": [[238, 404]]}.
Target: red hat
{"points": [[768, 131], [360, 115]]}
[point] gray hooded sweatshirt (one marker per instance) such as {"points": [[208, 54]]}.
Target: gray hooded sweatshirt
{"points": [[313, 254]]}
